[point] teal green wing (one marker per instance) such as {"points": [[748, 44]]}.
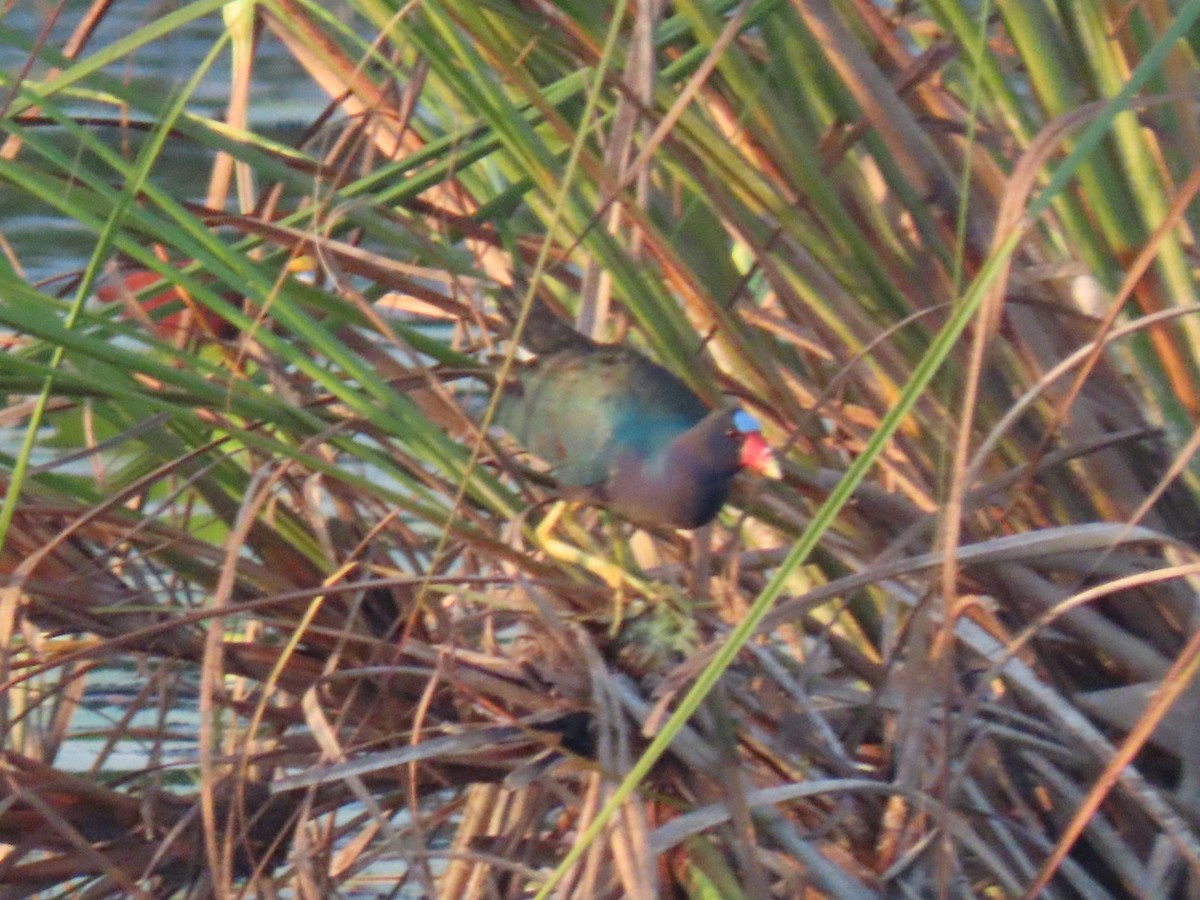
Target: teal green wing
{"points": [[580, 410]]}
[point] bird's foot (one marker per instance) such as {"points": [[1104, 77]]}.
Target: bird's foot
{"points": [[618, 577]]}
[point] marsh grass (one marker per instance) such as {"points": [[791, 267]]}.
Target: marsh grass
{"points": [[946, 258]]}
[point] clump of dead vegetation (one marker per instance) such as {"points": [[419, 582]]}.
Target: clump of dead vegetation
{"points": [[259, 560]]}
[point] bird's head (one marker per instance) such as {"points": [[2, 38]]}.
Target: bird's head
{"points": [[754, 454]]}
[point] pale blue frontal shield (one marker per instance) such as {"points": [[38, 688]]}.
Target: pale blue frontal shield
{"points": [[744, 422]]}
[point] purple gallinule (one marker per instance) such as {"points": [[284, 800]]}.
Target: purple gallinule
{"points": [[610, 421]]}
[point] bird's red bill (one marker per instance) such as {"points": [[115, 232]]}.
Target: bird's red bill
{"points": [[757, 456]]}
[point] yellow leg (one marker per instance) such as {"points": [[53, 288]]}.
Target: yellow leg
{"points": [[615, 576]]}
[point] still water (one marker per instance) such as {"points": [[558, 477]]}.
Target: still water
{"points": [[284, 100]]}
